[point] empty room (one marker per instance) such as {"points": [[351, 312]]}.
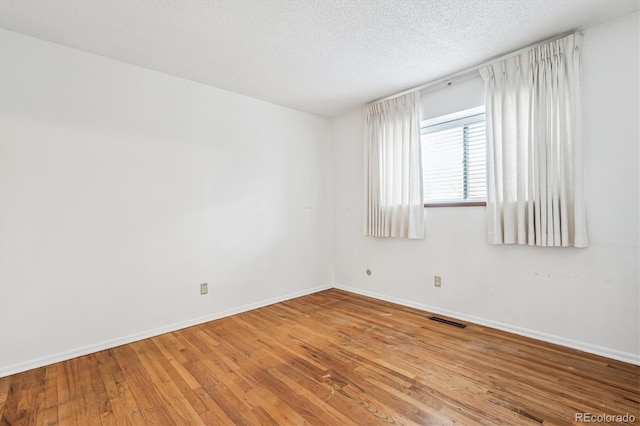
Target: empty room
{"points": [[325, 212]]}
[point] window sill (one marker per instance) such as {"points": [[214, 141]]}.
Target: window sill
{"points": [[458, 204]]}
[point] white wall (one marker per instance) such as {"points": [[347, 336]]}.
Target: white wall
{"points": [[122, 189], [585, 298]]}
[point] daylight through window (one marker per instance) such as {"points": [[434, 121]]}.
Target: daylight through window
{"points": [[453, 158]]}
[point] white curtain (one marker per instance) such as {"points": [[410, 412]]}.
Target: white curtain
{"points": [[534, 147], [393, 169]]}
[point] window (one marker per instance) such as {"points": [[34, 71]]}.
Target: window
{"points": [[453, 159]]}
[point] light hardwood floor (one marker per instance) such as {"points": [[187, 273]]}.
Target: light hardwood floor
{"points": [[330, 358]]}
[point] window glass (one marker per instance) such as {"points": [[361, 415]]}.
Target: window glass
{"points": [[454, 158]]}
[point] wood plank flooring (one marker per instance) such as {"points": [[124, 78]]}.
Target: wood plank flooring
{"points": [[330, 358]]}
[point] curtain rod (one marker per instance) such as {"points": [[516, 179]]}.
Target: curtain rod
{"points": [[468, 72]]}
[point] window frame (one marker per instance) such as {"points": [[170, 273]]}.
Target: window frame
{"points": [[467, 116]]}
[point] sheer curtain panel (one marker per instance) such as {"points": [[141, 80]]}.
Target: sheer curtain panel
{"points": [[393, 170], [534, 147]]}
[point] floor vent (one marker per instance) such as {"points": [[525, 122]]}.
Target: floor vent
{"points": [[444, 321]]}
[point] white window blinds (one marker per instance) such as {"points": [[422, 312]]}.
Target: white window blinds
{"points": [[454, 158]]}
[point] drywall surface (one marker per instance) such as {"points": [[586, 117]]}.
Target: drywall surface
{"points": [[122, 189], [584, 298]]}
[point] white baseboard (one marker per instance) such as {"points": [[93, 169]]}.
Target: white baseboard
{"points": [[585, 347], [85, 350]]}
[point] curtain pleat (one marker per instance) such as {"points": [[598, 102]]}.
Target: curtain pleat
{"points": [[535, 192], [393, 169]]}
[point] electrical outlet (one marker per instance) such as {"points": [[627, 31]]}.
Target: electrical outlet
{"points": [[204, 289], [437, 281]]}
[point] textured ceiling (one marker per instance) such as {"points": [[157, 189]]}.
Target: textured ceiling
{"points": [[323, 57]]}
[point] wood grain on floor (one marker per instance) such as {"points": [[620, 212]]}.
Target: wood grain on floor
{"points": [[330, 358]]}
